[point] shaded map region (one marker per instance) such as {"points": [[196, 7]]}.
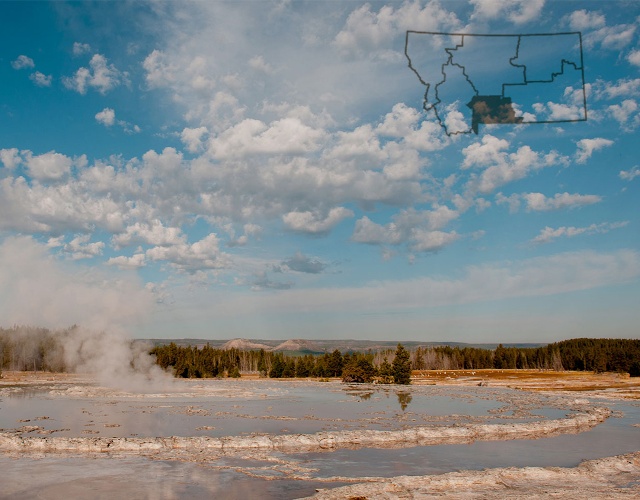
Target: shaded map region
{"points": [[473, 79], [492, 109]]}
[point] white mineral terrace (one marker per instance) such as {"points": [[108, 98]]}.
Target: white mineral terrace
{"points": [[417, 436]]}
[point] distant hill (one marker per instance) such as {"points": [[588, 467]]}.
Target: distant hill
{"points": [[319, 346], [299, 345], [244, 344]]}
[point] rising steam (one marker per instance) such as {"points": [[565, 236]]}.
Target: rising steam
{"points": [[36, 289]]}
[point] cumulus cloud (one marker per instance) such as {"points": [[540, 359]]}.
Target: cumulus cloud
{"points": [[538, 202], [159, 71], [81, 48], [626, 114], [10, 158], [192, 138], [367, 30], [81, 248], [252, 137], [203, 254], [40, 79], [517, 11], [586, 147], [581, 20], [134, 262], [548, 234], [107, 117], [367, 231], [48, 166], [149, 233], [431, 241], [23, 62], [501, 167], [634, 57], [629, 175], [301, 263], [623, 88], [315, 222], [419, 229], [100, 76], [259, 64]]}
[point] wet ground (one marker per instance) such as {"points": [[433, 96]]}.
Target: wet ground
{"points": [[242, 411]]}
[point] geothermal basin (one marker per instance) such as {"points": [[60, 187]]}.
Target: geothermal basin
{"points": [[287, 439]]}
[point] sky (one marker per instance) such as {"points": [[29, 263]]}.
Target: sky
{"points": [[306, 169]]}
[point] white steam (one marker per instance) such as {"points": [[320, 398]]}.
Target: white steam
{"points": [[37, 289], [114, 359]]}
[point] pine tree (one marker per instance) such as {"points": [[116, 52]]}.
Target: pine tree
{"points": [[401, 366]]}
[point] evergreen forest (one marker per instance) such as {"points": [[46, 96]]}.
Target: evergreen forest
{"points": [[41, 349]]}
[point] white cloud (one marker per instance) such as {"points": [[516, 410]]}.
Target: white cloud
{"points": [[634, 57], [10, 158], [48, 166], [581, 20], [489, 151], [420, 229], [539, 202], [159, 71], [80, 248], [503, 167], [150, 233], [586, 148], [624, 87], [367, 231], [626, 114], [431, 241], [81, 48], [101, 76], [259, 64], [612, 37], [629, 175], [23, 62], [40, 79], [366, 30], [192, 138], [56, 208], [548, 234], [107, 117], [517, 11], [134, 262], [251, 137], [203, 254], [315, 222]]}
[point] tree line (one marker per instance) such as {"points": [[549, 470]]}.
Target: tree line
{"points": [[41, 349]]}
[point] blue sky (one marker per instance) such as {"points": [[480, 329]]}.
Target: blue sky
{"points": [[268, 170]]}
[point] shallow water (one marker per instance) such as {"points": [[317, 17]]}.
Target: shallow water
{"points": [[227, 408], [265, 408]]}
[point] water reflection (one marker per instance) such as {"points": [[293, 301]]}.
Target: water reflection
{"points": [[404, 398]]}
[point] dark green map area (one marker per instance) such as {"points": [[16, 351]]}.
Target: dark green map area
{"points": [[473, 79]]}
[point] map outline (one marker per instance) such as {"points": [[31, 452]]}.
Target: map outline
{"points": [[428, 106]]}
